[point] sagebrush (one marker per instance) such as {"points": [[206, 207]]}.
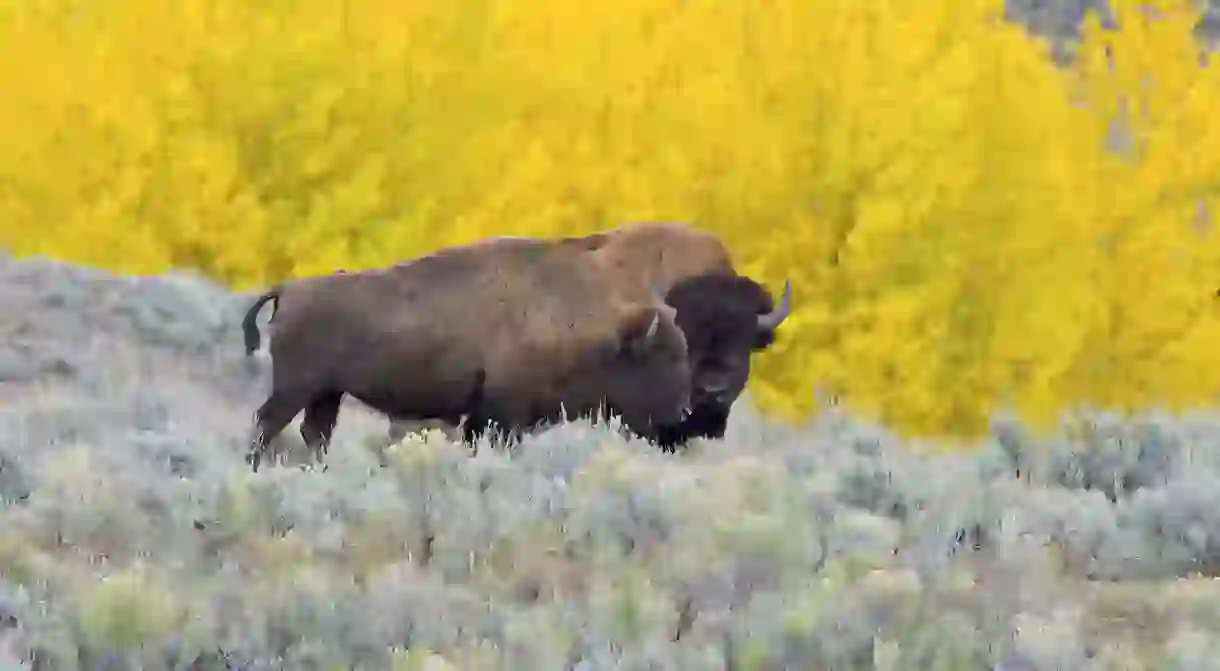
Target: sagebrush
{"points": [[966, 223], [133, 534]]}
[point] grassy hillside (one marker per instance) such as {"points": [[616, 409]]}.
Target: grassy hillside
{"points": [[828, 547], [133, 536], [967, 226]]}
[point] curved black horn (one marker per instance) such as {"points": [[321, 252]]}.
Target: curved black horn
{"points": [[772, 320]]}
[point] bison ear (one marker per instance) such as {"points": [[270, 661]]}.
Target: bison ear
{"points": [[639, 329], [762, 340]]}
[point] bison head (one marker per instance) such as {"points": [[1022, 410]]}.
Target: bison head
{"points": [[648, 381], [724, 318]]}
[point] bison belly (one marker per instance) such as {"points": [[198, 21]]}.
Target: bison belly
{"points": [[405, 381]]}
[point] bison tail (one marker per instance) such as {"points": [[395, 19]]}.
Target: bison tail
{"points": [[249, 325]]}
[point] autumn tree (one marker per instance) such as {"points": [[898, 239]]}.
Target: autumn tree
{"points": [[961, 224]]}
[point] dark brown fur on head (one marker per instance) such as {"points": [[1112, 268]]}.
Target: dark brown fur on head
{"points": [[719, 314], [715, 310]]}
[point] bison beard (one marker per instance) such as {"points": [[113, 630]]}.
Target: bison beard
{"points": [[707, 420], [495, 331]]}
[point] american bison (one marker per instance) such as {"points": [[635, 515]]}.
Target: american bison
{"points": [[724, 316], [506, 330]]}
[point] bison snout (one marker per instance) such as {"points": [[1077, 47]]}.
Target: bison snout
{"points": [[714, 393]]}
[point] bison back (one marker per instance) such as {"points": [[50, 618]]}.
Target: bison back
{"points": [[653, 256]]}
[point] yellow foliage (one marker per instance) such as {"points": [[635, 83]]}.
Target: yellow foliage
{"points": [[961, 226]]}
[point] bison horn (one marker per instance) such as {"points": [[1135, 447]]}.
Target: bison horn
{"points": [[654, 326], [659, 297], [772, 320]]}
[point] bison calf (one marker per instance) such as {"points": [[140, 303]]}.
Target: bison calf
{"points": [[489, 330]]}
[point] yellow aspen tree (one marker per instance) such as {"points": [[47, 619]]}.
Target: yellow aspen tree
{"points": [[1150, 84], [957, 231]]}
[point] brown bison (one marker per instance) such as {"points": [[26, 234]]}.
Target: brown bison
{"points": [[724, 316], [506, 331]]}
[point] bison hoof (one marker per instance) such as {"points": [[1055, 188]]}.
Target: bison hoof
{"points": [[254, 458], [314, 466]]}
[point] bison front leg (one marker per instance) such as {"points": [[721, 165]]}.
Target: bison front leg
{"points": [[318, 426], [492, 425], [473, 428], [269, 420]]}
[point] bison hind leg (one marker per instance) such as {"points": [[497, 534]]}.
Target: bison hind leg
{"points": [[318, 425], [270, 419]]}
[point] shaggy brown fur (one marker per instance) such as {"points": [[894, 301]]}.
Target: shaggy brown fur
{"points": [[724, 316], [507, 330], [648, 256]]}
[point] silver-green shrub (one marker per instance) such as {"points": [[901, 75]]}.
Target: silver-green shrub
{"points": [[132, 534]]}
